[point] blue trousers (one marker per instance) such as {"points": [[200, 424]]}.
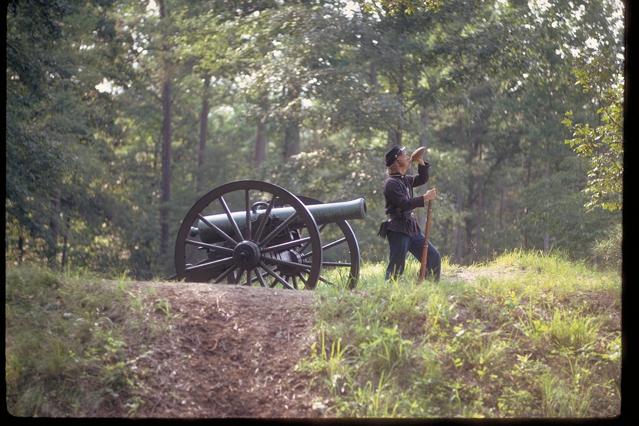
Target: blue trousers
{"points": [[400, 244]]}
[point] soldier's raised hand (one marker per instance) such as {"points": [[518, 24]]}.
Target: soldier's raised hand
{"points": [[418, 154]]}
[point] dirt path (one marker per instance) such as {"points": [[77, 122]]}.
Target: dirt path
{"points": [[231, 352]]}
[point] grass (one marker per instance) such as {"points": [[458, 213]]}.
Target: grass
{"points": [[538, 336], [71, 343], [534, 335]]}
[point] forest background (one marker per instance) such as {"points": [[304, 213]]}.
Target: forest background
{"points": [[121, 114]]}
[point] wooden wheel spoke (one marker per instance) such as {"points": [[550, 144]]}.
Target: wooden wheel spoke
{"points": [[303, 280], [334, 243], [264, 219], [217, 229], [304, 266], [321, 228], [198, 263], [287, 245], [209, 246], [276, 276], [279, 228], [211, 264], [326, 247], [224, 274], [338, 264], [321, 278], [260, 277], [232, 221]]}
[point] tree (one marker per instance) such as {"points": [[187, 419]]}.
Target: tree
{"points": [[599, 72], [167, 88], [54, 159]]}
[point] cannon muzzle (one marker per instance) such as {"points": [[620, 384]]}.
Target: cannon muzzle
{"points": [[322, 213]]}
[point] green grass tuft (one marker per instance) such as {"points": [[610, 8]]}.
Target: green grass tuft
{"points": [[68, 343], [534, 335]]}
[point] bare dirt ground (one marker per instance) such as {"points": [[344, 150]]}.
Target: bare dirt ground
{"points": [[231, 352]]}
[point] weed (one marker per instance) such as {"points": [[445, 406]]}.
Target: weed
{"points": [[67, 344], [566, 330], [562, 399], [510, 345], [387, 351], [515, 402], [163, 306]]}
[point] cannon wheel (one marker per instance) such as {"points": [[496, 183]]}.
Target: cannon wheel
{"points": [[249, 252], [349, 260]]}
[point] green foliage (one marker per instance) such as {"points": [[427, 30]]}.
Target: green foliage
{"points": [[56, 160], [506, 345], [602, 146], [327, 86], [70, 343], [598, 70], [399, 7]]}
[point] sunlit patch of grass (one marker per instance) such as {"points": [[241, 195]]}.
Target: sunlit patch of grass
{"points": [[373, 400], [563, 399], [484, 348], [555, 271], [564, 329]]}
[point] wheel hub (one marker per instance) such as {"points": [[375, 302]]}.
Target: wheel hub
{"points": [[247, 254], [289, 256]]}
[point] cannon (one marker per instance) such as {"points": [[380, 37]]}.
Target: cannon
{"points": [[252, 232]]}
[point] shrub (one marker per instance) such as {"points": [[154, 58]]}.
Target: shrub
{"points": [[607, 252]]}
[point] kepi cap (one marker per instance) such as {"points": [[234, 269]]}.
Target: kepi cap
{"points": [[393, 153]]}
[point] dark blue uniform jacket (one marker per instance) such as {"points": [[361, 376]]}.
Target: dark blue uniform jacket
{"points": [[400, 202]]}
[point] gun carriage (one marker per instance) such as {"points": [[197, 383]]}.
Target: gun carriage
{"points": [[256, 233]]}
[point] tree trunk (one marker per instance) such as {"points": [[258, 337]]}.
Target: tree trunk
{"points": [[469, 255], [528, 168], [65, 242], [471, 204], [395, 133], [394, 137], [20, 247], [292, 126], [501, 207], [204, 120], [479, 221], [373, 77], [423, 132], [165, 197], [291, 138], [260, 142], [54, 229], [546, 201], [165, 189], [457, 230], [156, 151]]}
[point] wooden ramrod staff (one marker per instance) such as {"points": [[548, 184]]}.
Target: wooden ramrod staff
{"points": [[424, 260]]}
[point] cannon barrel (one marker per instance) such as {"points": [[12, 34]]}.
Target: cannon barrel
{"points": [[322, 213]]}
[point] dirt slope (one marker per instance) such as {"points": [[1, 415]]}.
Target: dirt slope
{"points": [[231, 352]]}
